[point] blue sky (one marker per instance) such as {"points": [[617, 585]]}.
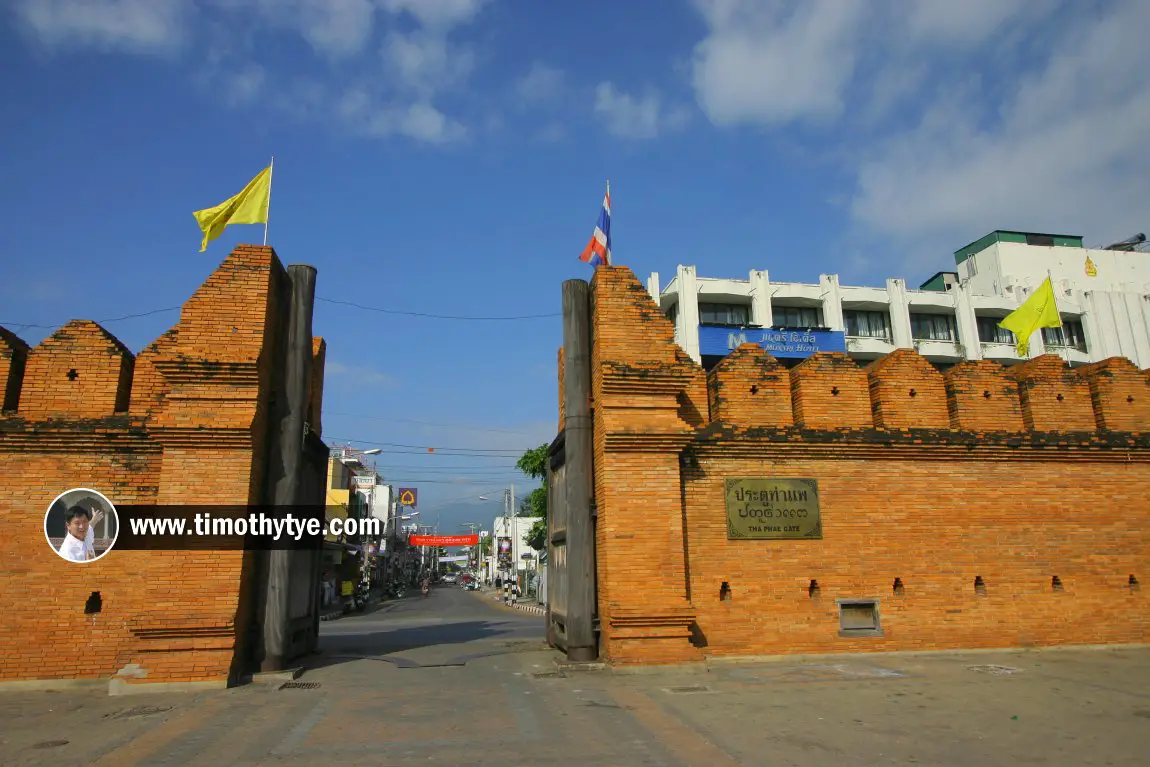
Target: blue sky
{"points": [[448, 156]]}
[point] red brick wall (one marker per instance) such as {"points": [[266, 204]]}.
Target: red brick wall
{"points": [[1012, 476], [642, 387], [749, 387], [180, 424], [13, 358], [829, 390], [981, 396], [1053, 397], [907, 392]]}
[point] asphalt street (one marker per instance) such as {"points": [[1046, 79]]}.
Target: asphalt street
{"points": [[458, 679]]}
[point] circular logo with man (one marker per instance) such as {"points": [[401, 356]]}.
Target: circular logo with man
{"points": [[81, 525]]}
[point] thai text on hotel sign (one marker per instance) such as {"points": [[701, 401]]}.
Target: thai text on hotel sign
{"points": [[720, 341]]}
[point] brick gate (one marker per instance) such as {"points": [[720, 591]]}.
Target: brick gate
{"points": [[985, 507], [191, 420]]}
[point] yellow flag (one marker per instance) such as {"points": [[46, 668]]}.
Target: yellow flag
{"points": [[248, 207], [1038, 311]]}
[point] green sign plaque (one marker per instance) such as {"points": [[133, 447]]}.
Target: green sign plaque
{"points": [[773, 508]]}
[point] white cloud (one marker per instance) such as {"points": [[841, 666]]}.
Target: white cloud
{"points": [[239, 83], [772, 61], [1062, 149], [953, 118], [552, 134], [425, 63], [334, 28], [632, 117], [412, 69], [135, 26], [541, 85], [929, 21], [363, 113], [437, 14], [357, 375]]}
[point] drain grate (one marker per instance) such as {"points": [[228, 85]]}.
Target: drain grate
{"points": [[299, 686], [688, 690], [995, 670], [549, 675]]}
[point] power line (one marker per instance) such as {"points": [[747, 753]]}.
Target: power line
{"points": [[477, 452], [436, 316], [427, 315], [438, 452], [472, 467], [467, 469], [463, 481], [100, 322], [425, 423]]}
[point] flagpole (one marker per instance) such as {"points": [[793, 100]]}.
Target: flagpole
{"points": [[268, 210], [612, 215], [1050, 277]]}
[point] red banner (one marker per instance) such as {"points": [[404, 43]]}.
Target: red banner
{"points": [[443, 540]]}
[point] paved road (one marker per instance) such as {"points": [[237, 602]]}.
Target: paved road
{"points": [[457, 679], [450, 627]]}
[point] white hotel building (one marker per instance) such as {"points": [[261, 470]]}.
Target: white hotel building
{"points": [[1103, 296]]}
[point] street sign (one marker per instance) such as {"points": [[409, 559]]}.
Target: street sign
{"points": [[407, 496]]}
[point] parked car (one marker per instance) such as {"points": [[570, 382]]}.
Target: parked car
{"points": [[450, 578]]}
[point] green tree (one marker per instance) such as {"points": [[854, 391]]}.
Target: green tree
{"points": [[533, 463]]}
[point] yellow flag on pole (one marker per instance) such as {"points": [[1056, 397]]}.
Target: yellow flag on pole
{"points": [[1038, 311], [248, 207]]}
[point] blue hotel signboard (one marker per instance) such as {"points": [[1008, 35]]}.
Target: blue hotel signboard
{"points": [[717, 341]]}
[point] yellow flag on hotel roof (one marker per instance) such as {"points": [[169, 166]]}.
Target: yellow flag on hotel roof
{"points": [[1038, 311], [248, 207]]}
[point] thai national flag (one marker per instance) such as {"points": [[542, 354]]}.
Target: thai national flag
{"points": [[598, 250]]}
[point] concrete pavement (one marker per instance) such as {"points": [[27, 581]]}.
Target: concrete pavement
{"points": [[459, 679]]}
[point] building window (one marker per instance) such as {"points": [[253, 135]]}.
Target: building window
{"points": [[1045, 240], [673, 312], [1070, 335], [933, 327], [868, 324], [990, 333], [796, 317], [738, 315]]}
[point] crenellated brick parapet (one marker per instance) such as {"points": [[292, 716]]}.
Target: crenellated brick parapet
{"points": [[906, 392], [1119, 394], [1053, 396], [750, 387], [982, 396], [830, 391], [182, 423]]}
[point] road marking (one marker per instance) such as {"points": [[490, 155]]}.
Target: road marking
{"points": [[685, 742], [522, 706], [151, 741], [302, 729]]}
